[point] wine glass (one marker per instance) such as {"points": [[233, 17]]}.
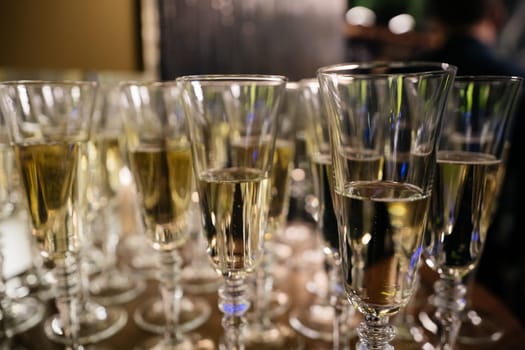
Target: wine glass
{"points": [[20, 314], [106, 157], [384, 119], [161, 164], [470, 167], [192, 311], [268, 302], [48, 124], [96, 322], [232, 121], [328, 316]]}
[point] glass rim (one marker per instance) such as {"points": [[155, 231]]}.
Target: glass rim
{"points": [[149, 83], [488, 78], [347, 69], [49, 82], [271, 79]]}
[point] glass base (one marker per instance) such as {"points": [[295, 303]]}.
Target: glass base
{"points": [[191, 342], [149, 315], [25, 313], [96, 323], [476, 327], [314, 321], [272, 337], [116, 288]]}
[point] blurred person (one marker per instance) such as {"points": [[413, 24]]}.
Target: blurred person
{"points": [[471, 31]]}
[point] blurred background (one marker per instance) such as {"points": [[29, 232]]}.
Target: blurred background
{"points": [[163, 39], [167, 38]]}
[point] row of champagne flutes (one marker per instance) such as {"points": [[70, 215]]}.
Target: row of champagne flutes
{"points": [[58, 117], [384, 120], [385, 135]]}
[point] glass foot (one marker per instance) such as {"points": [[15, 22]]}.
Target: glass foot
{"points": [[477, 328], [117, 287], [96, 323], [191, 342], [314, 321], [149, 315], [272, 337], [24, 314]]}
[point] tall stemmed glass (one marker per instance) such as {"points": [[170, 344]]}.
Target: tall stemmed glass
{"points": [[192, 311], [49, 124], [468, 178], [161, 164], [20, 314], [106, 156], [267, 301], [334, 302], [387, 116], [232, 121]]}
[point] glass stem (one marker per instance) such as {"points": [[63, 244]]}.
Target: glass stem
{"points": [[84, 297], [449, 300], [340, 336], [67, 274], [375, 333], [263, 289], [171, 291], [233, 302], [111, 227]]}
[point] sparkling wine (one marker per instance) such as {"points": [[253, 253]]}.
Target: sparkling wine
{"points": [[360, 166], [280, 184], [110, 158], [363, 165], [382, 225], [234, 208], [164, 179], [463, 200], [48, 173], [327, 221]]}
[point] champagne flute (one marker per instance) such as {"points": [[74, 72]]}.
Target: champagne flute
{"points": [[192, 311], [106, 158], [268, 302], [232, 121], [48, 123], [161, 164], [468, 178], [382, 115], [334, 303], [96, 322], [21, 314]]}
